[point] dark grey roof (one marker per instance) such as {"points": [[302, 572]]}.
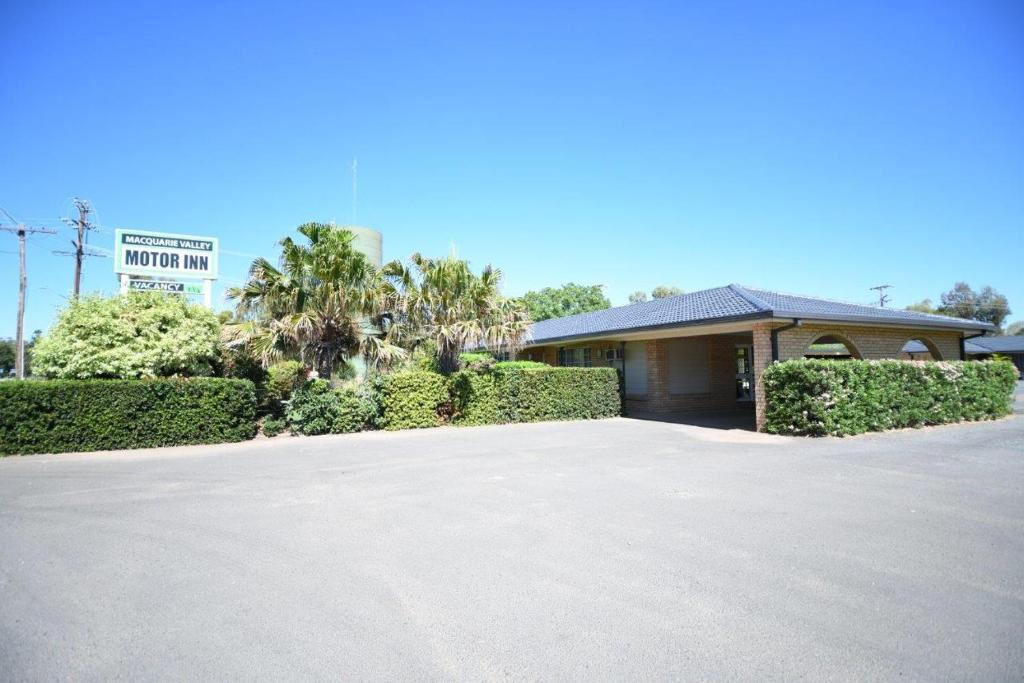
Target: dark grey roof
{"points": [[995, 345], [914, 346], [724, 304]]}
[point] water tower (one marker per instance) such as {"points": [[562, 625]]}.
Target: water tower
{"points": [[368, 241]]}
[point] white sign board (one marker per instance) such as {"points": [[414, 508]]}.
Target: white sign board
{"points": [[161, 254], [164, 286]]}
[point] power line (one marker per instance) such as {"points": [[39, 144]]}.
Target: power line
{"points": [[22, 230], [82, 226]]}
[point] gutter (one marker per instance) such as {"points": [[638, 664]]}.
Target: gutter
{"points": [[963, 345], [545, 341], [797, 322]]}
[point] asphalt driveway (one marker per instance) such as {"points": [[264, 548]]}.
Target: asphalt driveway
{"points": [[612, 549]]}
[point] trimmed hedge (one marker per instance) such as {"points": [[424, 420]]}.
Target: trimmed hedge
{"points": [[60, 416], [527, 393], [829, 397], [316, 408], [411, 399]]}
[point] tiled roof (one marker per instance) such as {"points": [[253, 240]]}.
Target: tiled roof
{"points": [[723, 304], [995, 345]]}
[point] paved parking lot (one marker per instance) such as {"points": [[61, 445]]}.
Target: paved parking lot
{"points": [[612, 549]]}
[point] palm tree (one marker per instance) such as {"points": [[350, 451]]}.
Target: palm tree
{"points": [[323, 303], [444, 301]]}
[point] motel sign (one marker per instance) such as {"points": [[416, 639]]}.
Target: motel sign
{"points": [[166, 255]]}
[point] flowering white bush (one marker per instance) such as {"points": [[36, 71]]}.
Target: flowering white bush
{"points": [[820, 397], [135, 335]]}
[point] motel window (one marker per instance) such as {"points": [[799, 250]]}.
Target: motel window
{"points": [[575, 358]]}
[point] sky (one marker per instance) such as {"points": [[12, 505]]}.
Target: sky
{"points": [[816, 148]]}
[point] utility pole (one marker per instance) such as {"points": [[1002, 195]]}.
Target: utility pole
{"points": [[21, 230], [82, 225], [883, 298]]}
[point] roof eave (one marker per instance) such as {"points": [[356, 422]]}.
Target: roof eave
{"points": [[650, 328], [952, 323]]}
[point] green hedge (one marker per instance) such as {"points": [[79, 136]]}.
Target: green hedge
{"points": [[821, 397], [411, 399], [316, 408], [518, 393], [60, 416]]}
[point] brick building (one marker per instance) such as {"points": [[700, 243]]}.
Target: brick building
{"points": [[705, 352]]}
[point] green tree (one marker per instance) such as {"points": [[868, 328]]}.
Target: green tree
{"points": [[988, 305], [323, 303], [923, 306], [569, 299], [661, 292], [7, 357], [637, 297], [443, 301], [140, 334]]}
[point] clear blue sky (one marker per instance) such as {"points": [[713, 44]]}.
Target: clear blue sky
{"points": [[819, 148]]}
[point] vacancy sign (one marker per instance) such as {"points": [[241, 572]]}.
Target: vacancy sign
{"points": [[161, 254], [164, 286]]}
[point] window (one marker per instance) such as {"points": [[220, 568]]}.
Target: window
{"points": [[501, 355], [613, 354], [575, 358]]}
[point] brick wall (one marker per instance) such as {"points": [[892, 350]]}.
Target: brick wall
{"points": [[762, 359], [868, 342]]}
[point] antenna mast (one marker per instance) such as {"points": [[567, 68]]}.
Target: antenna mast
{"points": [[883, 298]]}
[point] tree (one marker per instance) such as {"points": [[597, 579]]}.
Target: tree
{"points": [[323, 303], [988, 305], [141, 334], [661, 292], [7, 354], [443, 301], [637, 297], [993, 307], [1015, 328], [569, 299], [923, 306], [960, 302]]}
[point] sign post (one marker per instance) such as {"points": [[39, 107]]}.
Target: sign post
{"points": [[166, 255]]}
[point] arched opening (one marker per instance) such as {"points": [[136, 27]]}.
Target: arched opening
{"points": [[919, 348], [832, 347]]}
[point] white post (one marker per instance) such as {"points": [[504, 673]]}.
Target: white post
{"points": [[124, 283], [208, 294]]}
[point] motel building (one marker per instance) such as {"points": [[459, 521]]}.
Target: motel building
{"points": [[700, 356]]}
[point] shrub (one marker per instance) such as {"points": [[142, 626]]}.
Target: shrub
{"points": [[411, 399], [476, 361], [521, 364], [60, 416], [821, 397], [141, 334], [282, 380], [238, 364], [522, 391], [316, 408], [273, 425], [536, 394], [475, 399]]}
